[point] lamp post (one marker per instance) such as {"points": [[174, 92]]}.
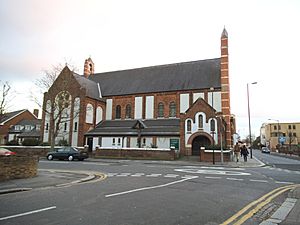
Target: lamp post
{"points": [[277, 130], [213, 128], [249, 118], [221, 137]]}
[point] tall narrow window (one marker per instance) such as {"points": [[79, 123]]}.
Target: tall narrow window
{"points": [[189, 126], [160, 110], [128, 111], [75, 127], [113, 141], [200, 122], [212, 125], [47, 126], [66, 126], [172, 109], [118, 112]]}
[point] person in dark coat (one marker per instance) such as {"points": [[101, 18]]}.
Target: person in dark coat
{"points": [[244, 152]]}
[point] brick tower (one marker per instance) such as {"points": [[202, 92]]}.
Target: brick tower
{"points": [[225, 87], [88, 67]]}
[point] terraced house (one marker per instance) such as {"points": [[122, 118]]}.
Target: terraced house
{"points": [[183, 105]]}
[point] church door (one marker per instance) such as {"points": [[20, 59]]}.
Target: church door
{"points": [[198, 142]]}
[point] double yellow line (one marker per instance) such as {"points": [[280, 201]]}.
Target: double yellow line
{"points": [[247, 212]]}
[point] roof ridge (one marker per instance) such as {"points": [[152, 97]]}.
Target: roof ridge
{"points": [[155, 66]]}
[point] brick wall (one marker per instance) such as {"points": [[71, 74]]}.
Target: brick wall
{"points": [[134, 154], [208, 156], [16, 167]]}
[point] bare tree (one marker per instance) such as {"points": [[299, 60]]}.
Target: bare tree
{"points": [[5, 88], [57, 101]]}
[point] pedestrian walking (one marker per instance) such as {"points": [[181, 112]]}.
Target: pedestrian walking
{"points": [[244, 152], [236, 151]]}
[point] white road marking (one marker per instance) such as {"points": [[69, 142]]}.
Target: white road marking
{"points": [[283, 182], [97, 164], [111, 174], [261, 181], [154, 175], [213, 177], [27, 213], [213, 172], [171, 175], [138, 175], [230, 178], [123, 175], [148, 188]]}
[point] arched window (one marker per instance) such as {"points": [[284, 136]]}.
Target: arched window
{"points": [[99, 112], [118, 112], [200, 122], [128, 111], [212, 125], [188, 126], [160, 110], [172, 109], [89, 117]]}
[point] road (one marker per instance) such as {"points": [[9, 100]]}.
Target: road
{"points": [[146, 192]]}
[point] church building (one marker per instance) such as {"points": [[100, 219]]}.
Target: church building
{"points": [[184, 106]]}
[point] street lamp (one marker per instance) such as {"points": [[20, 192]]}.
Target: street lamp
{"points": [[277, 130], [213, 129], [249, 118]]}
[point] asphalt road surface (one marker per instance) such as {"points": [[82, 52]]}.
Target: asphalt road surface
{"points": [[146, 192]]}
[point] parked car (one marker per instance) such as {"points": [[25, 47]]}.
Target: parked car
{"points": [[6, 152], [265, 150], [69, 153]]}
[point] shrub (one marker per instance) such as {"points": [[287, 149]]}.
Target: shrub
{"points": [[12, 142], [63, 143], [31, 142]]}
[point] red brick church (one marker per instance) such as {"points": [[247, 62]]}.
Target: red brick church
{"points": [[183, 105]]}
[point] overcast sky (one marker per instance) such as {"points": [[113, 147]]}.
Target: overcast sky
{"points": [[264, 45]]}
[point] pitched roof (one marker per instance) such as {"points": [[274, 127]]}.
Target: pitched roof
{"points": [[193, 75], [8, 116], [161, 127], [91, 87]]}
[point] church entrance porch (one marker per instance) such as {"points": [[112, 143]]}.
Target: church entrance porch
{"points": [[198, 142]]}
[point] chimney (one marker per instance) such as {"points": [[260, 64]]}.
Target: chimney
{"points": [[36, 113], [88, 67]]}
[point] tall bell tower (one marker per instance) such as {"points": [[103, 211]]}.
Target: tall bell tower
{"points": [[88, 67], [225, 87]]}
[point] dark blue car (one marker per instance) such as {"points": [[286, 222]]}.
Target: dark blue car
{"points": [[69, 153]]}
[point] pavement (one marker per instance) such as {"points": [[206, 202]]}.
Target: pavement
{"points": [[287, 214]]}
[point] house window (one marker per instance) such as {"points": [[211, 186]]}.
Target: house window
{"points": [[38, 127], [160, 110], [290, 127], [294, 127], [279, 127], [128, 111], [172, 109], [100, 141], [200, 122], [118, 112], [275, 127], [89, 113], [119, 141], [75, 127], [47, 126], [27, 127], [212, 125], [189, 126], [17, 127], [294, 134], [144, 141], [113, 141]]}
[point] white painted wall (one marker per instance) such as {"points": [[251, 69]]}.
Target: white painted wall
{"points": [[197, 95], [195, 127], [184, 102], [108, 142], [99, 113], [74, 141], [149, 107], [95, 142], [217, 100], [109, 109], [138, 108]]}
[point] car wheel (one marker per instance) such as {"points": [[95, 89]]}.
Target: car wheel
{"points": [[50, 157], [70, 158]]}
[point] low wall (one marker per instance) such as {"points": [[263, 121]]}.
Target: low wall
{"points": [[14, 167], [126, 153], [40, 151], [207, 156]]}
